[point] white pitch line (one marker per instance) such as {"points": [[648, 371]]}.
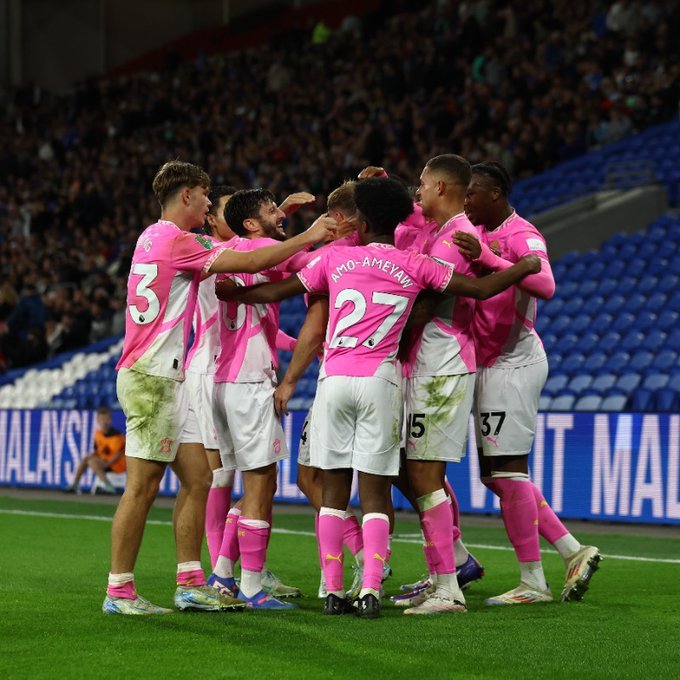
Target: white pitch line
{"points": [[291, 532]]}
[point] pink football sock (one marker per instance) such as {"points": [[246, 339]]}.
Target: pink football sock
{"points": [[126, 589], [520, 516], [193, 578], [376, 532], [455, 510], [253, 535], [216, 510], [318, 540], [437, 519], [352, 536], [229, 547], [549, 524], [331, 529], [430, 556]]}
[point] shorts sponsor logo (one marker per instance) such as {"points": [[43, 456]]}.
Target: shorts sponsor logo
{"points": [[277, 446]]}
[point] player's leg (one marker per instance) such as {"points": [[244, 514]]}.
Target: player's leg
{"points": [[505, 415], [217, 505], [80, 471], [100, 468]]}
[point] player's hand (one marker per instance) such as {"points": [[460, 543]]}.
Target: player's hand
{"points": [[345, 228], [295, 201], [532, 263], [468, 246], [372, 171], [281, 396], [323, 229]]}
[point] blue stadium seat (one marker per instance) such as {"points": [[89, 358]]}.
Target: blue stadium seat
{"points": [[623, 321], [664, 360], [667, 400], [551, 308], [641, 360], [668, 283], [628, 382], [655, 381], [673, 339], [604, 382], [632, 340], [580, 323], [573, 363], [614, 403], [602, 322], [564, 402], [555, 384], [544, 403], [636, 302], [590, 286], [580, 383], [566, 291], [595, 362], [589, 342], [567, 343], [560, 324], [668, 320], [618, 362], [616, 303], [589, 402], [655, 339], [641, 400], [657, 302], [648, 284], [627, 285], [608, 287], [573, 306]]}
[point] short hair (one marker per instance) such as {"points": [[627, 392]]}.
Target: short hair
{"points": [[497, 173], [453, 166], [384, 203], [342, 198], [103, 411], [175, 175], [216, 192], [243, 205]]}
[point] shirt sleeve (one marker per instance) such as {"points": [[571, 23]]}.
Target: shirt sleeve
{"points": [[433, 273], [526, 243], [193, 252], [313, 277]]}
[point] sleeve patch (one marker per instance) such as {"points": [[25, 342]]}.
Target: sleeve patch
{"points": [[536, 244], [204, 241]]}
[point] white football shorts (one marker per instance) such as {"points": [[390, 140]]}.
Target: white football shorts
{"points": [[506, 404], [438, 416], [356, 424], [199, 388], [249, 432]]}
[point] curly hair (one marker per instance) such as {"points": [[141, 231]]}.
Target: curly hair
{"points": [[384, 203]]}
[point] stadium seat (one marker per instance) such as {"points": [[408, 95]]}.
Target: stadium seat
{"points": [[657, 302], [641, 400], [601, 323], [667, 400], [544, 403], [564, 402], [567, 343], [655, 339], [555, 384], [623, 321], [628, 382], [615, 403], [632, 340], [610, 341], [588, 343], [604, 382], [573, 363], [655, 381], [673, 339], [617, 362], [579, 383], [642, 359], [636, 302], [590, 402], [665, 360], [580, 323], [560, 324]]}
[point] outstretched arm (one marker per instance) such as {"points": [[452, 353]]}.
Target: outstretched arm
{"points": [[309, 342], [253, 261], [488, 286], [540, 285], [262, 292]]}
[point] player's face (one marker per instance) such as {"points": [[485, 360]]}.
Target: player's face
{"points": [[478, 200], [220, 228], [347, 223], [199, 205], [426, 194], [270, 220]]}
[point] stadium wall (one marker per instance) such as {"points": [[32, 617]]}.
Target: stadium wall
{"points": [[622, 467]]}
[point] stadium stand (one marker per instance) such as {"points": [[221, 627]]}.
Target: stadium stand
{"points": [[555, 80]]}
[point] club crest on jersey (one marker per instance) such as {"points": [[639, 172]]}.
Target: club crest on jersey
{"points": [[495, 248], [204, 241]]}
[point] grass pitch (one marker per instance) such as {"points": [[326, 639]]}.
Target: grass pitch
{"points": [[54, 561]]}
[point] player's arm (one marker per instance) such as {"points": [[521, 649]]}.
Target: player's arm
{"points": [[253, 261], [488, 286], [309, 342], [284, 341], [295, 201], [423, 309], [540, 285], [261, 292]]}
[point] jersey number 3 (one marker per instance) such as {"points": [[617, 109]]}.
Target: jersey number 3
{"points": [[148, 272]]}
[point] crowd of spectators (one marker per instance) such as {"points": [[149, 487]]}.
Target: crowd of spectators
{"points": [[530, 84]]}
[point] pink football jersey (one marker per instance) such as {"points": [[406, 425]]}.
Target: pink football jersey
{"points": [[503, 325], [167, 265], [248, 332], [446, 346], [371, 292]]}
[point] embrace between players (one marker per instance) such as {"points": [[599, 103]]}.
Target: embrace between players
{"points": [[393, 280]]}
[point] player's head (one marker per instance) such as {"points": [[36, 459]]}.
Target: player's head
{"points": [[104, 418], [342, 207], [487, 193], [215, 222], [253, 213], [382, 205], [443, 178], [184, 186]]}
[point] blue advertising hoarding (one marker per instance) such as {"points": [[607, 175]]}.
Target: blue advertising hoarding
{"points": [[622, 467]]}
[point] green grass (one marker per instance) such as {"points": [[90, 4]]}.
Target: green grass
{"points": [[54, 573]]}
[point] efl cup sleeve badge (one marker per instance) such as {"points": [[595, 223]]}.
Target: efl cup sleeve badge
{"points": [[536, 244], [204, 241]]}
